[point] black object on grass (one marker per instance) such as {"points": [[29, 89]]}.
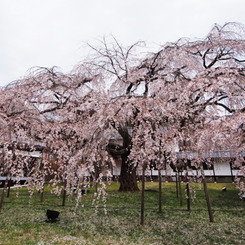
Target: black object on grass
{"points": [[52, 215]]}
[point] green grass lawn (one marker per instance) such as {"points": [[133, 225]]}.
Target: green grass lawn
{"points": [[23, 219]]}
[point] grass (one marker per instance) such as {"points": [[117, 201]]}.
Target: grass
{"points": [[23, 218]]}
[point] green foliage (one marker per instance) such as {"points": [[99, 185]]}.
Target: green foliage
{"points": [[23, 218]]}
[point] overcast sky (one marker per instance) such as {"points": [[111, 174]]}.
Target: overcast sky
{"points": [[54, 32]]}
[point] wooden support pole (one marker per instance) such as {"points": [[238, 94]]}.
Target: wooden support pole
{"points": [[142, 213], [180, 190], [160, 190], [232, 175], [96, 186], [210, 213], [188, 199], [9, 185], [64, 194], [215, 179], [42, 194], [177, 186], [3, 193], [187, 189]]}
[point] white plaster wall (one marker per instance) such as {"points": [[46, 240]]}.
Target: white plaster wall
{"points": [[222, 168]]}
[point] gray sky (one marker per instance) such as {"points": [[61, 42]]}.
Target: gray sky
{"points": [[54, 32]]}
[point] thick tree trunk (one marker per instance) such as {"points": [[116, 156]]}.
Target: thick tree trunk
{"points": [[128, 177]]}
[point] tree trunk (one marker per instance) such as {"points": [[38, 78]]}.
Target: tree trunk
{"points": [[128, 177]]}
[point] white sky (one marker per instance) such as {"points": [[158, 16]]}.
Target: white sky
{"points": [[54, 32]]}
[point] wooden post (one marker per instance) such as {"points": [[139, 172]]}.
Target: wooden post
{"points": [[187, 189], [42, 194], [96, 186], [64, 194], [3, 193], [8, 186], [8, 180], [188, 196], [210, 213], [232, 175], [180, 190], [177, 187], [142, 213], [160, 190], [215, 179]]}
